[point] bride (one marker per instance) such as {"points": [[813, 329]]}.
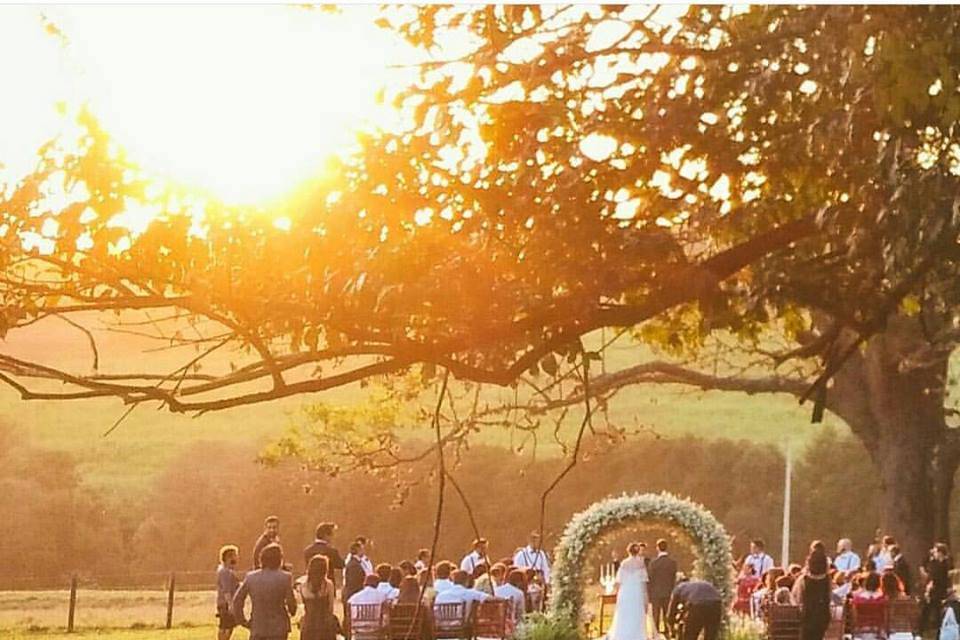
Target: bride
{"points": [[630, 615]]}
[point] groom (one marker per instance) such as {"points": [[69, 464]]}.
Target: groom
{"points": [[663, 578]]}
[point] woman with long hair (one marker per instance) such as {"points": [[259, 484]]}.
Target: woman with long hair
{"points": [[812, 593], [316, 592]]}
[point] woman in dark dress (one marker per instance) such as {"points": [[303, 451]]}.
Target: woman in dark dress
{"points": [[812, 593], [316, 591]]}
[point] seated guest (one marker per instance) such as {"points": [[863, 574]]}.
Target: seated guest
{"points": [[383, 573], [425, 580], [847, 561], [443, 582], [841, 588], [409, 592], [534, 590], [782, 596], [396, 577], [482, 581], [407, 568], [513, 591], [369, 594], [870, 589], [891, 587], [459, 592], [899, 566]]}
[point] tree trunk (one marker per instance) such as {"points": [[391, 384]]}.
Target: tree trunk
{"points": [[895, 407]]}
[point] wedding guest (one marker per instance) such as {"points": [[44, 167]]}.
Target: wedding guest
{"points": [[425, 580], [360, 543], [884, 559], [369, 594], [409, 592], [812, 593], [841, 588], [460, 592], [407, 568], [396, 577], [534, 590], [936, 571], [512, 591], [353, 571], [900, 567], [316, 593], [482, 581], [321, 546], [870, 589], [443, 571], [227, 585], [758, 558], [782, 593], [366, 546], [703, 604], [846, 561], [534, 557], [662, 579], [423, 560], [891, 587], [384, 572], [475, 557], [270, 590], [271, 534]]}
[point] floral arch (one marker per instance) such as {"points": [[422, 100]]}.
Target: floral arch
{"points": [[711, 543]]}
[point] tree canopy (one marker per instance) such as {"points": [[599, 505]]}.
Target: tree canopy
{"points": [[571, 168]]}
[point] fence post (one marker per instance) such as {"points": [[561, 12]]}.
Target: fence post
{"points": [[170, 600], [73, 602]]}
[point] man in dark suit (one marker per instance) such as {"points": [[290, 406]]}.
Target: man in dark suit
{"points": [[663, 578], [353, 576], [271, 533], [321, 546], [271, 594]]}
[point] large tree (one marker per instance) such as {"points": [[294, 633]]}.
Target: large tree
{"points": [[569, 169]]}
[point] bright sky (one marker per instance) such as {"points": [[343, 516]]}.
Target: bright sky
{"points": [[244, 101]]}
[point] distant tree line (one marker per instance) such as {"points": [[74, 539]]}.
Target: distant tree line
{"points": [[216, 493]]}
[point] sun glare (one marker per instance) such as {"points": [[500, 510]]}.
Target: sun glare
{"points": [[243, 102]]}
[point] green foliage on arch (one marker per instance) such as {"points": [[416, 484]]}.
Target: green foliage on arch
{"points": [[710, 539]]}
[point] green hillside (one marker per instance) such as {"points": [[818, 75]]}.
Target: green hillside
{"points": [[130, 457]]}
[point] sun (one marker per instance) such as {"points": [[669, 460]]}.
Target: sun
{"points": [[244, 102]]}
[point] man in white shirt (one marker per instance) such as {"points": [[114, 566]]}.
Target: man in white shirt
{"points": [[365, 562], [369, 593], [443, 582], [383, 572], [758, 558], [423, 560], [475, 557], [884, 559], [534, 557], [459, 592], [846, 561], [512, 591]]}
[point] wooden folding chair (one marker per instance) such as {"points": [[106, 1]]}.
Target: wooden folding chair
{"points": [[406, 621], [490, 618], [367, 622], [903, 616], [783, 622], [868, 618], [450, 620]]}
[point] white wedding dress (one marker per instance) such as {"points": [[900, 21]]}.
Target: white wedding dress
{"points": [[630, 616]]}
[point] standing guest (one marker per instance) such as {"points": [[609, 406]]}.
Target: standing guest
{"points": [[365, 562], [846, 561], [703, 605], [475, 557], [321, 546], [316, 592], [883, 559], [271, 593], [513, 591], [758, 558], [662, 579], [443, 581], [534, 557], [271, 534], [353, 577], [936, 571], [227, 585], [535, 590], [812, 593], [423, 560], [900, 567]]}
